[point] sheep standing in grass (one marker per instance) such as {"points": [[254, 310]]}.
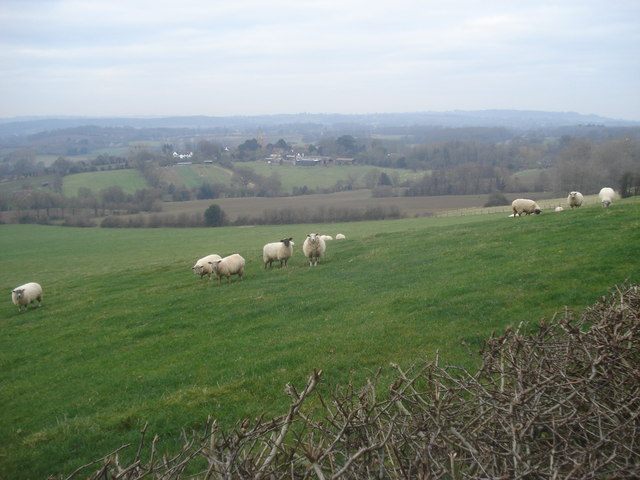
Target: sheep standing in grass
{"points": [[313, 248], [575, 199], [606, 196], [280, 251], [524, 206], [26, 294], [230, 265], [203, 267]]}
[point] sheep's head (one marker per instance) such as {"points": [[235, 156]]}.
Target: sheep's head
{"points": [[287, 241], [197, 269], [313, 237], [214, 264], [18, 292], [537, 211]]}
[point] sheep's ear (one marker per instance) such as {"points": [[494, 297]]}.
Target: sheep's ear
{"points": [[290, 238]]}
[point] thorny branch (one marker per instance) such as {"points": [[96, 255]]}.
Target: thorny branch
{"points": [[562, 401]]}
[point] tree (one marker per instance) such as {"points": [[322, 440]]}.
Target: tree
{"points": [[384, 180], [348, 144], [214, 216]]}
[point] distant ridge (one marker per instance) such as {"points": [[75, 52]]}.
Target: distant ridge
{"points": [[514, 119]]}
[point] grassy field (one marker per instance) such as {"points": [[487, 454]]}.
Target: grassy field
{"points": [[290, 176], [130, 180], [196, 174], [325, 177], [127, 335]]}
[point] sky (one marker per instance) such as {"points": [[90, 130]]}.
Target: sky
{"points": [[256, 57]]}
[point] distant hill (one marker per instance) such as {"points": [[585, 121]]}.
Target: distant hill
{"points": [[513, 119]]}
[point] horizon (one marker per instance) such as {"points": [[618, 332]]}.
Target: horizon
{"points": [[311, 114]]}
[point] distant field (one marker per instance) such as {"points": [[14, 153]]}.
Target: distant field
{"points": [[325, 177], [128, 335], [360, 199], [196, 174], [40, 183], [290, 176], [130, 180]]}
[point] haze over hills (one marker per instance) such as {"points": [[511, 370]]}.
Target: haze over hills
{"points": [[514, 119]]}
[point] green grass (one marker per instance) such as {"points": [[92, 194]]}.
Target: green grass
{"points": [[325, 177], [290, 176], [128, 335], [197, 174], [130, 181]]}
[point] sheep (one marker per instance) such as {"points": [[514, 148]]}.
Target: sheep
{"points": [[26, 294], [525, 206], [313, 248], [559, 209], [227, 266], [340, 236], [575, 199], [606, 196], [203, 267], [326, 237], [280, 251]]}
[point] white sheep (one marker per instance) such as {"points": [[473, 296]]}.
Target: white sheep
{"points": [[280, 251], [326, 237], [227, 266], [340, 236], [575, 199], [606, 196], [26, 294], [559, 209], [524, 206], [313, 248], [203, 267]]}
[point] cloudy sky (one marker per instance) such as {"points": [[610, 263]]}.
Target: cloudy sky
{"points": [[249, 57]]}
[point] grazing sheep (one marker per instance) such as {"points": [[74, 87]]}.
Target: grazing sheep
{"points": [[606, 196], [340, 236], [203, 267], [313, 248], [25, 294], [230, 265], [524, 206], [326, 237], [559, 209], [575, 200], [280, 251]]}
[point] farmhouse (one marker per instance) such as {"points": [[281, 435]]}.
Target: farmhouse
{"points": [[302, 161], [344, 161]]}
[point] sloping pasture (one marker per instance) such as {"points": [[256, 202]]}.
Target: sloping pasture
{"points": [[127, 335]]}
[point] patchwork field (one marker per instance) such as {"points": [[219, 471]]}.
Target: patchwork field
{"points": [[128, 180], [128, 335]]}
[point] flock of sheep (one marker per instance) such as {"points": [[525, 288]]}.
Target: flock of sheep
{"points": [[313, 248], [525, 206]]}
